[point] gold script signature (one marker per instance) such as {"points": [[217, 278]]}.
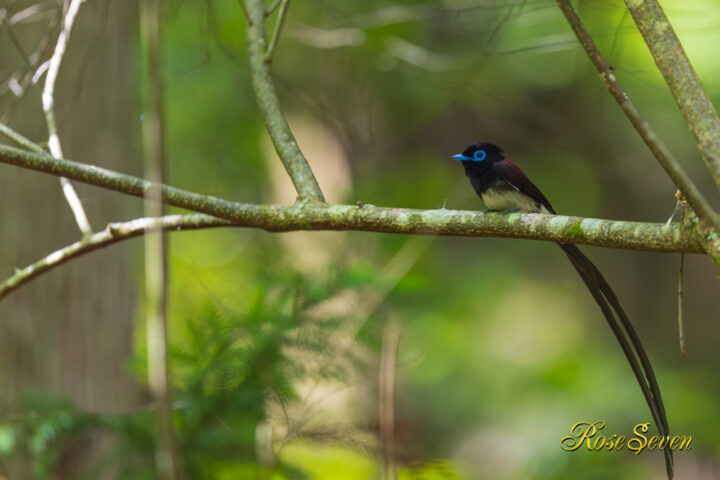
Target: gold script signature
{"points": [[588, 433]]}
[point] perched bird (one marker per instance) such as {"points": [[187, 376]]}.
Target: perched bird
{"points": [[502, 186]]}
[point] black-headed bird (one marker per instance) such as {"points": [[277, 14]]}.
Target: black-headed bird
{"points": [[504, 187]]}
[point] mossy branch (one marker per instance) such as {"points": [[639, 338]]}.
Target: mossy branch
{"points": [[656, 237], [315, 216]]}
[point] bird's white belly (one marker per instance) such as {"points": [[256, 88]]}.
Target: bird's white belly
{"points": [[510, 199]]}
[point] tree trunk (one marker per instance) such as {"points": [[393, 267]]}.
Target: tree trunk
{"points": [[71, 332]]}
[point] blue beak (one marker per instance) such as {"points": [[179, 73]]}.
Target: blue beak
{"points": [[460, 157]]}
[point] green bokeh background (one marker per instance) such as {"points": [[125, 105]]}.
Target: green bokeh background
{"points": [[502, 350]]}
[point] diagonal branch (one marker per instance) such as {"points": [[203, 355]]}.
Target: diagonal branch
{"points": [[48, 101], [656, 237], [272, 7], [282, 138], [19, 139], [16, 43], [679, 74], [671, 166], [113, 233]]}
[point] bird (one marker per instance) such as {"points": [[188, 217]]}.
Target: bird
{"points": [[504, 187]]}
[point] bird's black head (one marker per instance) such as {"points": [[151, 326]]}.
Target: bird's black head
{"points": [[479, 156]]}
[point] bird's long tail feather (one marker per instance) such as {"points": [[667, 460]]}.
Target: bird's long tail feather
{"points": [[624, 331]]}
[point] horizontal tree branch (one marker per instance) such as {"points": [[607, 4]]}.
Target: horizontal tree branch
{"points": [[655, 237], [310, 216]]}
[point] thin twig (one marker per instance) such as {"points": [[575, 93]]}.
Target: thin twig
{"points": [[16, 43], [244, 9], [681, 326], [671, 166], [113, 233], [272, 7], [643, 236], [167, 459], [278, 28], [43, 49], [48, 100], [35, 12], [687, 90], [280, 134], [20, 139]]}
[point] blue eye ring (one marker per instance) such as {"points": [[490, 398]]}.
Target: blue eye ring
{"points": [[479, 155]]}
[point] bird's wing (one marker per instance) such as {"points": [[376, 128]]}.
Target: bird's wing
{"points": [[514, 176]]}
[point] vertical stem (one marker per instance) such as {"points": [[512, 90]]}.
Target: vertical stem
{"points": [[386, 407], [681, 325], [166, 457]]}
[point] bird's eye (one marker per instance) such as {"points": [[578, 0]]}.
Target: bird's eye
{"points": [[479, 155]]}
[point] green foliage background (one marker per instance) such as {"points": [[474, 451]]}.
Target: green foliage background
{"points": [[502, 350]]}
